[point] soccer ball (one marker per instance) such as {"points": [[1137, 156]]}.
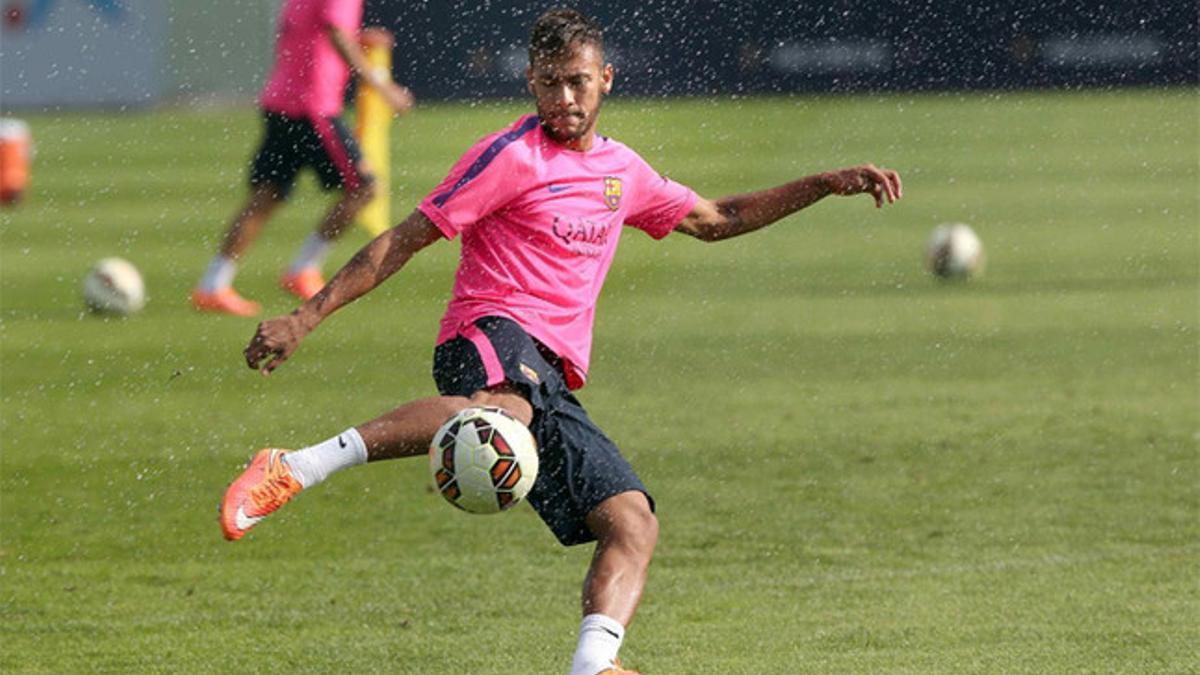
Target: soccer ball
{"points": [[114, 286], [954, 252], [483, 460]]}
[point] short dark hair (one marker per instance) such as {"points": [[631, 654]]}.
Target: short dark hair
{"points": [[558, 30]]}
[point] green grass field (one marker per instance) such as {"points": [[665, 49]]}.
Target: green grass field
{"points": [[859, 469]]}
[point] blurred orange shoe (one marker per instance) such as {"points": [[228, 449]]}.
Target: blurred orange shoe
{"points": [[224, 301], [617, 670], [264, 486], [303, 284]]}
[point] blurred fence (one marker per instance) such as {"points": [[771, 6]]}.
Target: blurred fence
{"points": [[120, 52], [465, 49], [78, 53], [115, 53]]}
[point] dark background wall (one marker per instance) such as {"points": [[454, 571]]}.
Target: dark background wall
{"points": [[458, 48]]}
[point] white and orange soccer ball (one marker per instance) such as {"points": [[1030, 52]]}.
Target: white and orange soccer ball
{"points": [[954, 251], [114, 286], [483, 460]]}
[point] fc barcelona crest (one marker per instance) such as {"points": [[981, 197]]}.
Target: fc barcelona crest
{"points": [[612, 192]]}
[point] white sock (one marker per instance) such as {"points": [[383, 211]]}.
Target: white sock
{"points": [[219, 274], [312, 253], [599, 641], [315, 463]]}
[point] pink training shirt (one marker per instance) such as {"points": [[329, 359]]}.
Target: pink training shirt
{"points": [[309, 77], [540, 225]]}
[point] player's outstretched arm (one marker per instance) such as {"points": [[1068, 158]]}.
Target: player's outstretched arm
{"points": [[398, 97], [276, 339], [738, 214]]}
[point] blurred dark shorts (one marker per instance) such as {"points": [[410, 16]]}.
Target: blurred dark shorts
{"points": [[578, 466], [291, 143]]}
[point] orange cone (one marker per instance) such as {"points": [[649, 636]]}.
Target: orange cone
{"points": [[15, 144]]}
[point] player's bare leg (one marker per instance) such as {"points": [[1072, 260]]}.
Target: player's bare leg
{"points": [[275, 476], [303, 277], [338, 217], [215, 292], [627, 532], [248, 223], [409, 429]]}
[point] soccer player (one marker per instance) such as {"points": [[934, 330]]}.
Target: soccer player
{"points": [[539, 206], [315, 51]]}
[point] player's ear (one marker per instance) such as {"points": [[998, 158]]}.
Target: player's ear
{"points": [[529, 79], [606, 78]]}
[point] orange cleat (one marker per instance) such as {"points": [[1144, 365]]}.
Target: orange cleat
{"points": [[265, 485], [303, 284], [224, 301]]}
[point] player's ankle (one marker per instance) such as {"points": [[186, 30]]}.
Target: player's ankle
{"points": [[312, 465], [600, 639], [311, 254], [219, 274]]}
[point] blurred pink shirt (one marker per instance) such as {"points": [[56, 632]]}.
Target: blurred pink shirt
{"points": [[309, 76], [540, 225]]}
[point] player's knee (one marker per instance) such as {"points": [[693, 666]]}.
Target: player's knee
{"points": [[507, 397], [635, 528], [645, 528], [363, 193], [452, 405]]}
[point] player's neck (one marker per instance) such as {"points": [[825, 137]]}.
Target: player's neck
{"points": [[582, 144]]}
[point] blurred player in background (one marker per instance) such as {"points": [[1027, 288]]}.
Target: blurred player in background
{"points": [[315, 51], [540, 207]]}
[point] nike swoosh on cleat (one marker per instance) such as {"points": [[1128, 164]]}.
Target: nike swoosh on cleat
{"points": [[243, 521], [341, 442]]}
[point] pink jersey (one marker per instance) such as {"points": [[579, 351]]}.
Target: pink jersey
{"points": [[540, 225], [309, 77]]}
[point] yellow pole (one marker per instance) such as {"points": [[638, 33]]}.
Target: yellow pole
{"points": [[373, 120]]}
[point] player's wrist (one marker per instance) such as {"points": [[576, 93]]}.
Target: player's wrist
{"points": [[307, 316]]}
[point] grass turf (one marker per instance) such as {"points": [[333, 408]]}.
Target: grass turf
{"points": [[858, 469]]}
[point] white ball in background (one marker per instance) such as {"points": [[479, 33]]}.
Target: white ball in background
{"points": [[954, 251], [114, 286]]}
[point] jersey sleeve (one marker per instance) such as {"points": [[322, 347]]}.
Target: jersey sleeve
{"points": [[660, 203], [345, 14], [482, 181]]}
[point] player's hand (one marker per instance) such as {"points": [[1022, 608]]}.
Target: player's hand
{"points": [[274, 341], [882, 184], [399, 97]]}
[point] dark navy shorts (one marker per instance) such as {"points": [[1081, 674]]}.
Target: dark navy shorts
{"points": [[292, 143], [578, 466]]}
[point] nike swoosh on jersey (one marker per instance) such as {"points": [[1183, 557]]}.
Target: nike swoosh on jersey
{"points": [[558, 188], [243, 521]]}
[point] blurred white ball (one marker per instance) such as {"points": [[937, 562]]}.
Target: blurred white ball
{"points": [[954, 251], [114, 286]]}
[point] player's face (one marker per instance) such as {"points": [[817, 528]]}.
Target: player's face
{"points": [[569, 89]]}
